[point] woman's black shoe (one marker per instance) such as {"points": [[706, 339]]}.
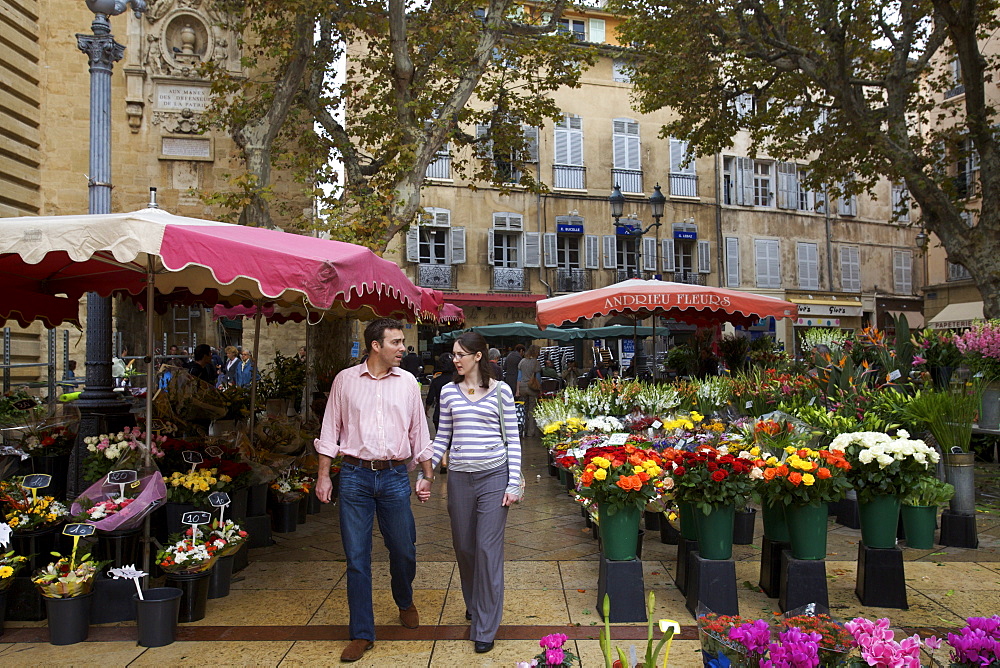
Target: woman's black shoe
{"points": [[444, 469], [483, 647], [468, 616]]}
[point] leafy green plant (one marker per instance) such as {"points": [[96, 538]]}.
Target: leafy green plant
{"points": [[668, 628], [929, 491], [947, 414], [283, 378], [735, 351], [683, 360]]}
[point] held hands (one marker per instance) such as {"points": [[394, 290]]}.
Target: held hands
{"points": [[423, 489]]}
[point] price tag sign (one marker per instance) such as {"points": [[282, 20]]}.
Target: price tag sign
{"points": [[812, 400], [129, 572], [5, 532], [214, 451], [894, 375], [193, 458], [77, 531], [24, 404], [122, 478], [35, 482], [617, 439], [194, 519], [656, 425], [219, 500], [748, 404]]}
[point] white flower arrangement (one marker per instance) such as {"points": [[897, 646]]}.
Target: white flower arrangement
{"points": [[656, 399], [884, 449], [713, 393], [605, 423], [560, 409]]}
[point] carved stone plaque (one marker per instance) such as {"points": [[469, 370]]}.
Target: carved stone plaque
{"points": [[186, 148], [179, 96]]}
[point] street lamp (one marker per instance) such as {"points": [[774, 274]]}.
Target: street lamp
{"points": [[617, 201], [656, 202], [101, 409]]}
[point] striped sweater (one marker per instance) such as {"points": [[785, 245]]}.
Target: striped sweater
{"points": [[473, 430]]}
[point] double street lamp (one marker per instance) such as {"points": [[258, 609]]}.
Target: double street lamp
{"points": [[656, 203]]}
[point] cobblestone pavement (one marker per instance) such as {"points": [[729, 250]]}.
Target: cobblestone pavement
{"points": [[289, 606]]}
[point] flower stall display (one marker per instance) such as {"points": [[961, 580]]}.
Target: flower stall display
{"points": [[712, 483], [187, 555], [803, 481], [115, 506], [879, 647], [195, 486], [10, 564], [717, 647], [981, 348], [67, 577], [976, 644], [622, 480], [291, 486], [26, 511], [883, 469], [50, 440], [121, 450], [835, 643], [919, 510], [228, 537]]}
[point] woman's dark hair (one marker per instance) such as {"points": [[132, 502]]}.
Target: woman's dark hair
{"points": [[473, 342]]}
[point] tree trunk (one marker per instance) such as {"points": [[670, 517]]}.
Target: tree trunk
{"points": [[257, 213], [331, 352]]}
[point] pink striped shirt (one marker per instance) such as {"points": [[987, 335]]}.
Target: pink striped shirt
{"points": [[375, 418]]}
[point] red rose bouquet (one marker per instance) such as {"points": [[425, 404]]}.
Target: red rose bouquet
{"points": [[709, 477], [621, 476]]}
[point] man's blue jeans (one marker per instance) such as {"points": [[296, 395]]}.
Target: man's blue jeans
{"points": [[363, 495]]}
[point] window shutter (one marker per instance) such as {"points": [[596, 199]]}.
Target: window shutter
{"points": [[678, 153], [619, 147], [850, 269], [808, 259], [441, 217], [458, 245], [490, 250], [902, 271], [531, 141], [768, 264], [704, 256], [610, 259], [485, 149], [620, 71], [667, 254], [413, 244], [649, 254], [744, 181], [500, 221], [788, 197], [515, 221], [549, 247], [732, 262], [592, 251], [597, 31], [774, 263], [576, 141], [562, 142], [532, 249]]}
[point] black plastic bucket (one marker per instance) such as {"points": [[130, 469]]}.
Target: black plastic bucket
{"points": [[69, 619], [156, 617], [284, 517], [222, 576], [303, 509], [257, 500], [121, 548], [743, 527], [194, 599]]}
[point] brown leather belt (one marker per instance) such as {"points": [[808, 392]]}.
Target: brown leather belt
{"points": [[374, 465]]}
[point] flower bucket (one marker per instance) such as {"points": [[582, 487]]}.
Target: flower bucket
{"points": [[715, 533], [744, 526], [284, 516], [121, 548], [222, 577], [257, 500], [879, 520], [194, 594], [689, 526], [3, 608], [619, 532], [919, 524], [941, 376], [156, 615], [669, 535], [37, 546], [807, 530], [69, 619], [989, 412], [303, 510], [775, 527], [651, 520]]}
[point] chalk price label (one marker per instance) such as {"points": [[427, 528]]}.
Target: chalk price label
{"points": [[79, 530]]}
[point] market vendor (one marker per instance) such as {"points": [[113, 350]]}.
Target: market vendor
{"points": [[202, 367]]}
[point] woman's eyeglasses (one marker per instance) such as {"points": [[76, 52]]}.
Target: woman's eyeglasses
{"points": [[463, 354]]}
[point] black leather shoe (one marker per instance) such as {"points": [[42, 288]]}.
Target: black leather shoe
{"points": [[483, 647]]}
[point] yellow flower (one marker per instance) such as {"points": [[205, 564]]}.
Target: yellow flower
{"points": [[602, 462], [552, 428], [755, 451], [808, 479], [225, 478], [790, 449], [600, 474], [653, 470], [772, 461], [175, 483], [696, 416], [6, 571]]}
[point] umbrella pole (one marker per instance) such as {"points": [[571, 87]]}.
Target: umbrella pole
{"points": [[255, 371], [654, 346], [147, 455]]}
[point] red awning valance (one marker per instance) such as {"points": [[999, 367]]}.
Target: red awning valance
{"points": [[492, 299]]}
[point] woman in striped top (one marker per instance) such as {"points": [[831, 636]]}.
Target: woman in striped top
{"points": [[484, 479]]}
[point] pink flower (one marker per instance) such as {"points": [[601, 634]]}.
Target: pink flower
{"points": [[554, 657], [933, 643], [918, 360]]}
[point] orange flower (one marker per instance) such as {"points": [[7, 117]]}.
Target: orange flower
{"points": [[629, 482], [782, 470], [635, 459], [642, 475], [795, 478], [587, 477], [823, 473], [770, 473]]}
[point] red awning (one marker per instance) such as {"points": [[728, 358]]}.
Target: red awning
{"points": [[492, 299]]}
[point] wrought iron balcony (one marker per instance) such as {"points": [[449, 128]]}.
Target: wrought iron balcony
{"points": [[683, 185], [572, 280], [689, 277], [625, 274], [570, 177], [629, 180], [437, 276], [508, 279]]}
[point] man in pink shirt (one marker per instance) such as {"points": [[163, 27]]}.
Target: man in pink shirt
{"points": [[375, 421]]}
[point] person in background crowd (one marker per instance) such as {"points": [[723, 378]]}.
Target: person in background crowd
{"points": [[202, 367], [69, 373], [549, 370], [302, 354], [446, 375], [375, 421], [571, 374], [485, 479], [510, 363], [245, 369], [174, 351], [527, 369], [217, 361], [599, 371], [413, 363], [229, 367], [495, 364]]}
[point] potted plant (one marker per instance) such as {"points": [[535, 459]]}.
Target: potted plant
{"points": [[108, 452], [803, 481], [283, 380], [883, 469], [713, 483], [49, 441], [554, 654], [34, 520], [936, 350], [187, 561], [981, 348], [919, 510], [287, 492], [10, 564], [771, 437], [67, 586], [668, 628], [228, 538], [622, 480], [189, 491]]}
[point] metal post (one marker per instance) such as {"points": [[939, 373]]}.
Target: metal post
{"points": [[65, 354], [52, 367], [6, 360], [100, 407]]}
